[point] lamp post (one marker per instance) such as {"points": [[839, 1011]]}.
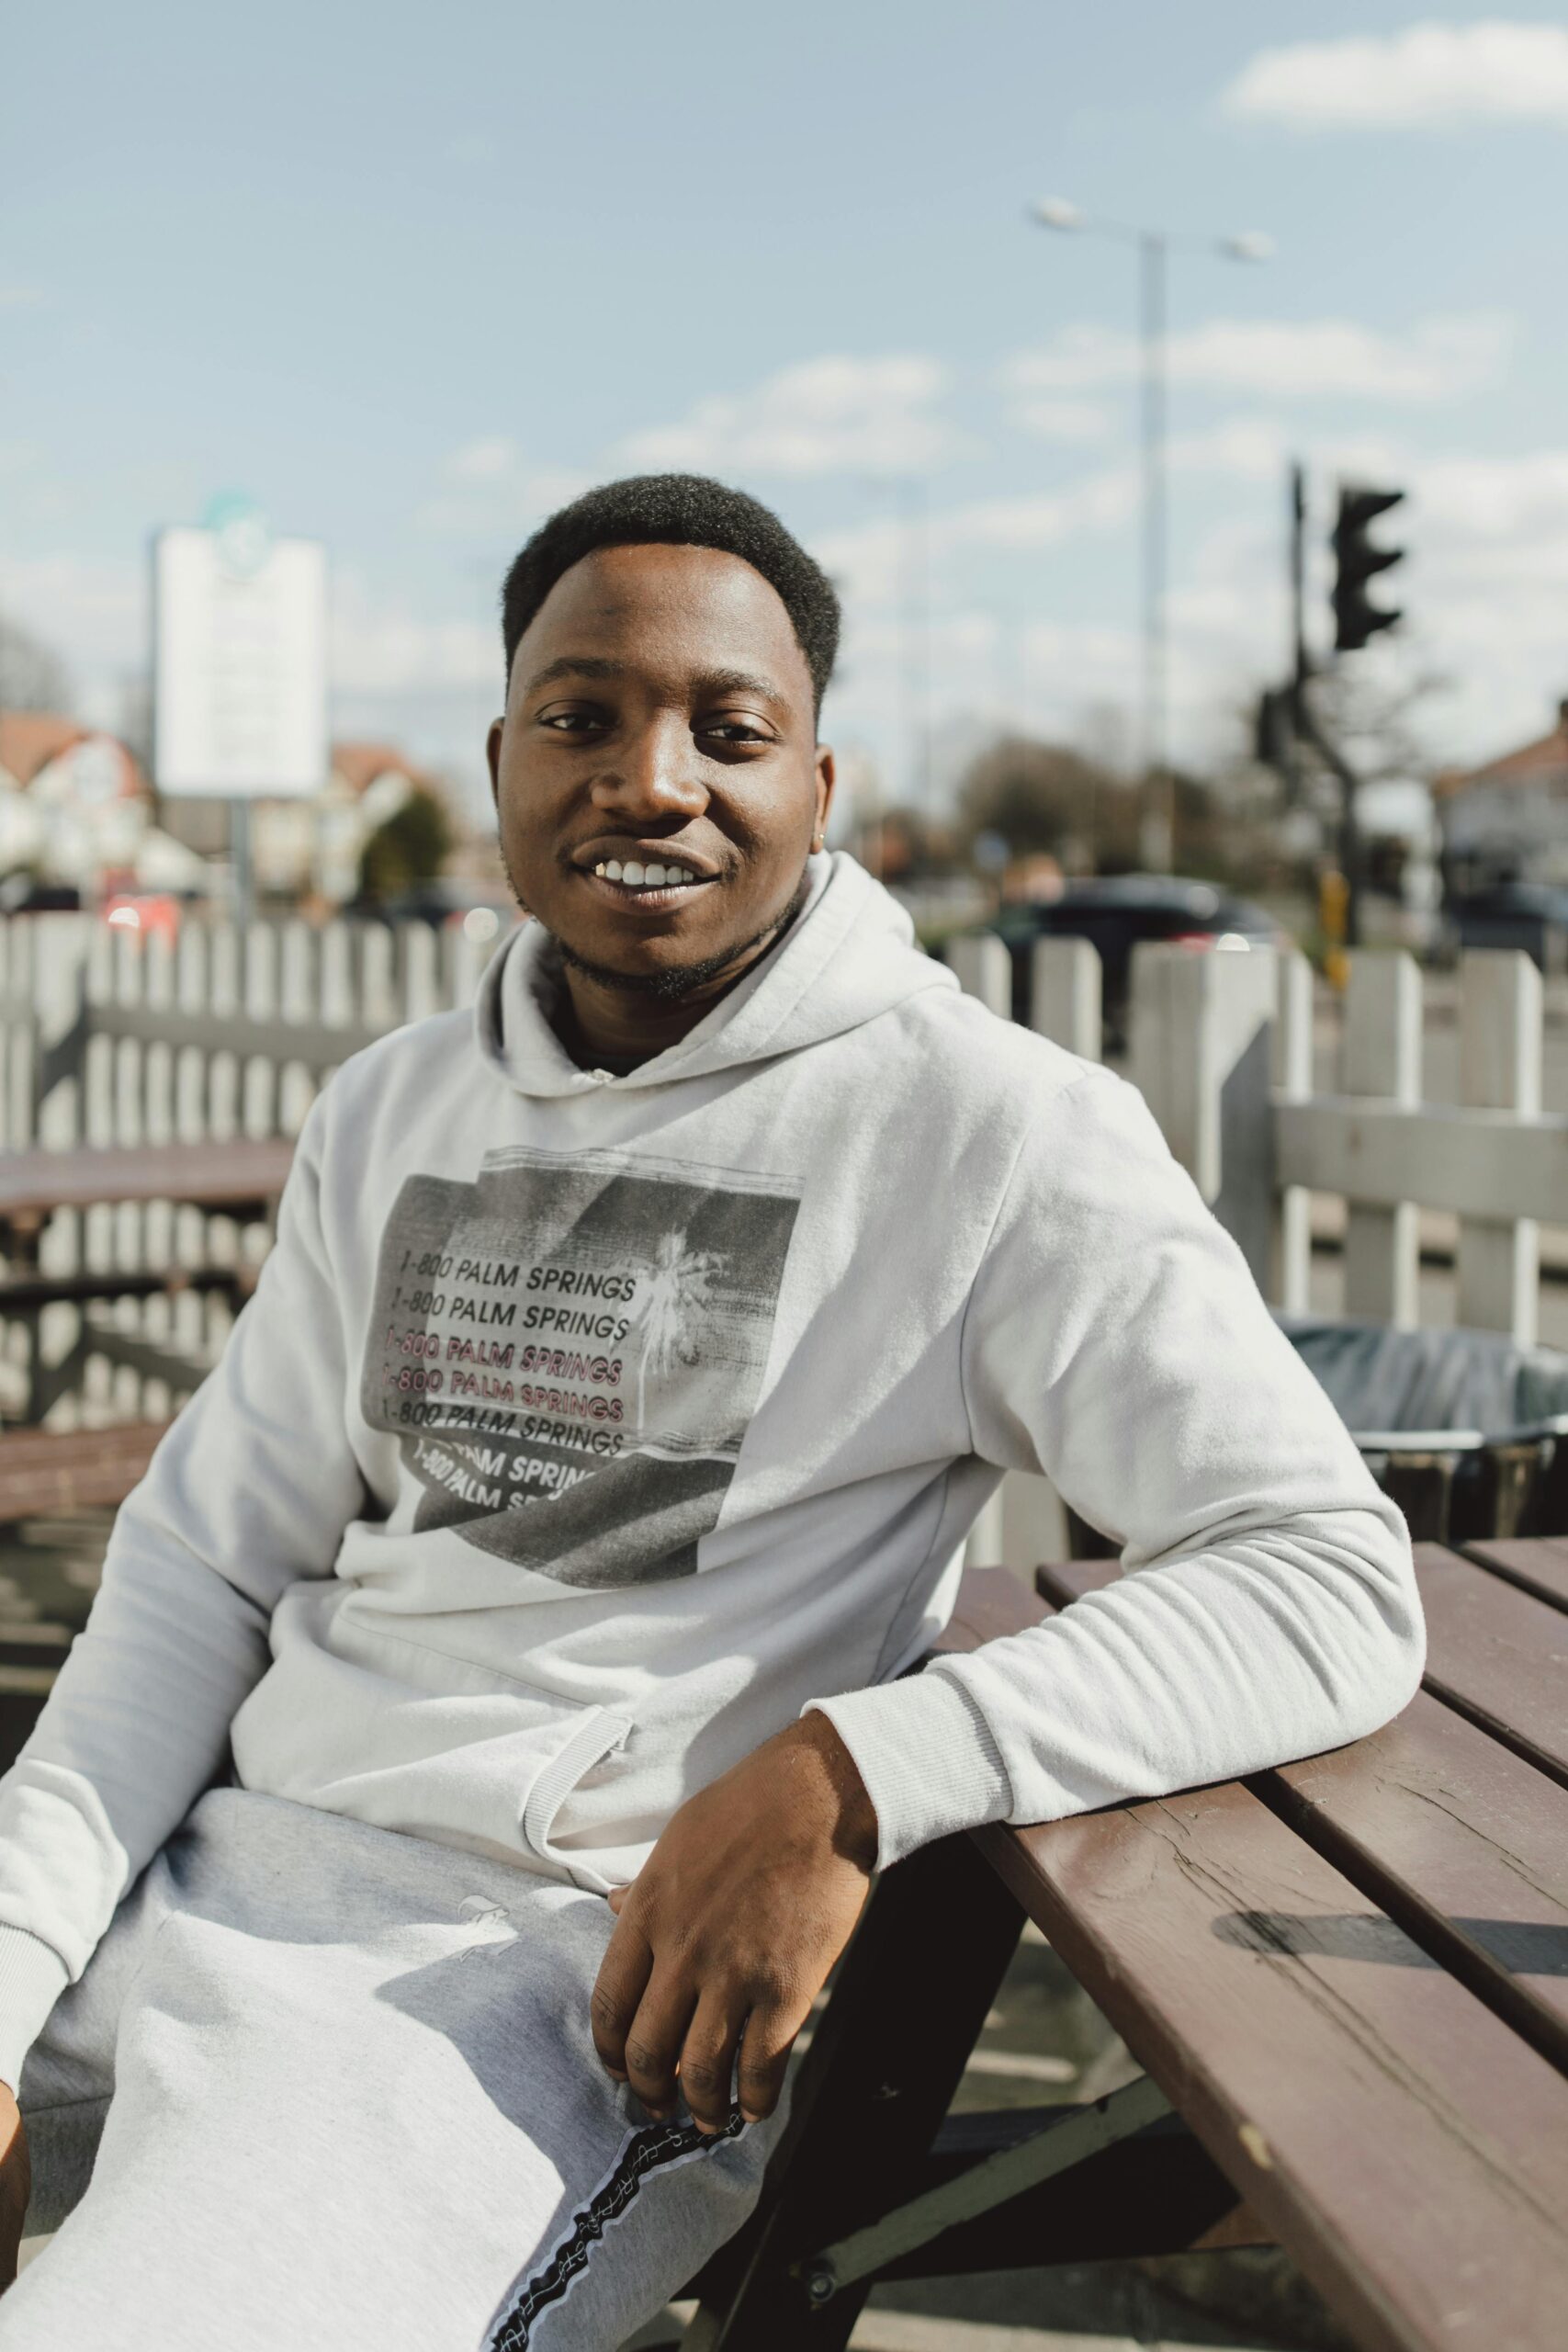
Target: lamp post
{"points": [[1154, 247]]}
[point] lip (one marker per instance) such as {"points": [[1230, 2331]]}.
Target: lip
{"points": [[664, 901], [647, 852]]}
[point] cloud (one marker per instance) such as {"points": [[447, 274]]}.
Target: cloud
{"points": [[489, 489], [832, 416], [382, 649], [1062, 420], [1429, 76], [1440, 359]]}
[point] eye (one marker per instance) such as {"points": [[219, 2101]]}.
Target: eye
{"points": [[572, 722], [732, 731]]}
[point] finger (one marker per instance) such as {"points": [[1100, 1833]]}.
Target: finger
{"points": [[623, 1977], [615, 1897], [765, 2058], [707, 2061], [654, 2040]]}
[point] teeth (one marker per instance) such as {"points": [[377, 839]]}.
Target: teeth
{"points": [[631, 872], [653, 877], [599, 869], [611, 869]]}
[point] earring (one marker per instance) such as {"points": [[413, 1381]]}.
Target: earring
{"points": [[815, 841]]}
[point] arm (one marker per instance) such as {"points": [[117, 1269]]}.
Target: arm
{"points": [[251, 1489], [1116, 1340]]}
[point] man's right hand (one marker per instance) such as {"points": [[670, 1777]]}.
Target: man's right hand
{"points": [[15, 2184]]}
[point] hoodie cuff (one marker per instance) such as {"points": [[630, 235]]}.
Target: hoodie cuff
{"points": [[927, 1756], [32, 1978]]}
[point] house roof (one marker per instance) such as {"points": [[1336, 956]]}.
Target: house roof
{"points": [[1534, 762], [30, 739], [359, 764]]}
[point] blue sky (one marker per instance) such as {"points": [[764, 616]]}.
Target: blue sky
{"points": [[409, 277]]}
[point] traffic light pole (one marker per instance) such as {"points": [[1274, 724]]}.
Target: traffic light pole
{"points": [[1305, 721]]}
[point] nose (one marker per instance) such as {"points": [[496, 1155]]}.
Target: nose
{"points": [[655, 777]]}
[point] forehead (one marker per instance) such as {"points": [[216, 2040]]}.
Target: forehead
{"points": [[670, 614]]}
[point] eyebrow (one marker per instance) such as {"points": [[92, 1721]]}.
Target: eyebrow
{"points": [[587, 665]]}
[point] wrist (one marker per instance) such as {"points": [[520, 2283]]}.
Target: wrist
{"points": [[854, 1831]]}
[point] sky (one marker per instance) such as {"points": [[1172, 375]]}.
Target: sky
{"points": [[410, 278]]}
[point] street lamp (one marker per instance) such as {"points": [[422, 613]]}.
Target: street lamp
{"points": [[1154, 248]]}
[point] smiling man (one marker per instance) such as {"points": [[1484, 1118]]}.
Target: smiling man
{"points": [[497, 1699]]}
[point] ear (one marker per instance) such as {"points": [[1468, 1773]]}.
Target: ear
{"points": [[827, 777], [492, 754]]}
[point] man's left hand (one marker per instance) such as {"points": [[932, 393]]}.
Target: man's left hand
{"points": [[727, 1934]]}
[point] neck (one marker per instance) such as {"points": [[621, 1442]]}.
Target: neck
{"points": [[604, 1025]]}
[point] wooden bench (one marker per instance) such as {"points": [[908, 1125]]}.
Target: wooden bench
{"points": [[1348, 1980]]}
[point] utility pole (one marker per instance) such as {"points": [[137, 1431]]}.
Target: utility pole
{"points": [[1153, 247], [1158, 845]]}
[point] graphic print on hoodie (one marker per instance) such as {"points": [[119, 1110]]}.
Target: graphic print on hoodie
{"points": [[569, 1351]]}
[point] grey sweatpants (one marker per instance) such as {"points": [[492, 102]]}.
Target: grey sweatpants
{"points": [[326, 2086]]}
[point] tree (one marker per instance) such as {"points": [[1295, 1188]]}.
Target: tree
{"points": [[32, 676], [412, 846], [1043, 796]]}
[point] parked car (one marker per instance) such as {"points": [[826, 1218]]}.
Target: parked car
{"points": [[1528, 915], [1115, 911]]}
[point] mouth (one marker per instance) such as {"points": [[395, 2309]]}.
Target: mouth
{"points": [[651, 885]]}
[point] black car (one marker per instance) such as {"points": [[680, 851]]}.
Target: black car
{"points": [[1528, 915], [1115, 911]]}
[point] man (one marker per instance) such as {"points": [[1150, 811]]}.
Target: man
{"points": [[595, 1455]]}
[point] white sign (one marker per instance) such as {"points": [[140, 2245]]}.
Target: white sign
{"points": [[240, 706]]}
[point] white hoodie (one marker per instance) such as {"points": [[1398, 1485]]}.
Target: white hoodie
{"points": [[583, 1430]]}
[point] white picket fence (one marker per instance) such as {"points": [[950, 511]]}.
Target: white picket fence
{"points": [[112, 1039], [1221, 1048]]}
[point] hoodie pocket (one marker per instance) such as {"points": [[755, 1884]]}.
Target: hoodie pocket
{"points": [[596, 1736]]}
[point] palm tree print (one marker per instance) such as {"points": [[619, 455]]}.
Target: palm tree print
{"points": [[676, 1295]]}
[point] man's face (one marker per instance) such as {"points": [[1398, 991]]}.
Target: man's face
{"points": [[660, 717]]}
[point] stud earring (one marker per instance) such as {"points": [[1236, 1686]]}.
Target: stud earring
{"points": [[815, 841]]}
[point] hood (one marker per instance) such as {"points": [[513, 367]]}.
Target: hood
{"points": [[849, 955]]}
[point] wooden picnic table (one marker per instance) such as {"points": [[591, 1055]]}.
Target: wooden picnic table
{"points": [[1347, 1980], [243, 1171], [241, 1177]]}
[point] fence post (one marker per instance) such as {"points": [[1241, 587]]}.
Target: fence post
{"points": [[1293, 1083], [1382, 1057], [1201, 1048], [1500, 1017], [982, 966], [1065, 977]]}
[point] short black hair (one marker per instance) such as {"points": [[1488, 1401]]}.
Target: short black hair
{"points": [[682, 511]]}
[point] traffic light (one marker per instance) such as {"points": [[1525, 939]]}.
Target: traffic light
{"points": [[1357, 561]]}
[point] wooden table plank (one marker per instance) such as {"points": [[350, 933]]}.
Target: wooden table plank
{"points": [[1460, 1840], [1497, 1654], [1536, 1564], [43, 1471], [1455, 1834], [247, 1168], [1405, 2146]]}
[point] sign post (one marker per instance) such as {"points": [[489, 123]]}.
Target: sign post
{"points": [[240, 672]]}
